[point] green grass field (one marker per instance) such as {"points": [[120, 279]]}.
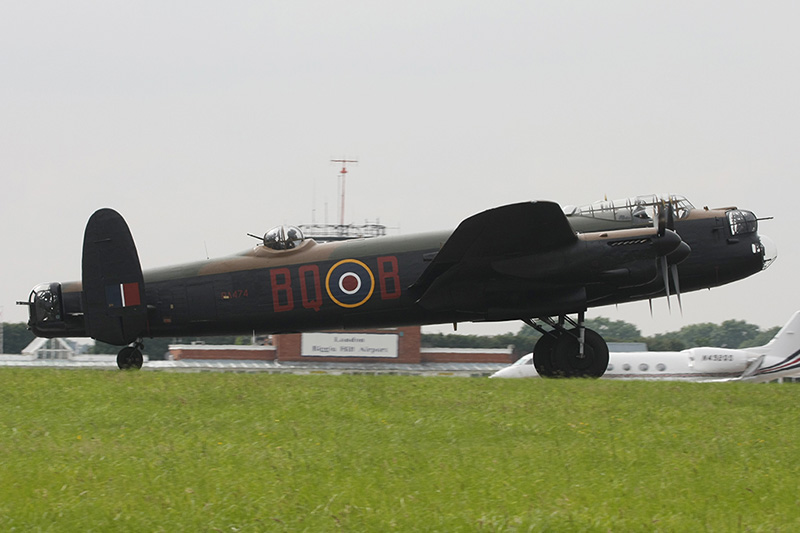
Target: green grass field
{"points": [[152, 451]]}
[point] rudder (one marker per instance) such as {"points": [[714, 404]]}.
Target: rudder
{"points": [[115, 310]]}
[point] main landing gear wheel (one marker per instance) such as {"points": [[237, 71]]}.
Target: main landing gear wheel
{"points": [[130, 358], [558, 353], [543, 353], [567, 360]]}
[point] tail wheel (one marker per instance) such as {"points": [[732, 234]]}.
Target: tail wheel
{"points": [[130, 358], [568, 362]]}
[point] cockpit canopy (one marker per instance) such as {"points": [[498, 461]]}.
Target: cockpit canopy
{"points": [[742, 222], [283, 238], [642, 209]]}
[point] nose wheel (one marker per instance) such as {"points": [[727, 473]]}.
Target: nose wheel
{"points": [[130, 357]]}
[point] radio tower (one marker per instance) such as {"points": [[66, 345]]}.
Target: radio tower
{"points": [[343, 174]]}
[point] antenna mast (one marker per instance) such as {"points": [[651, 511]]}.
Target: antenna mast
{"points": [[343, 174]]}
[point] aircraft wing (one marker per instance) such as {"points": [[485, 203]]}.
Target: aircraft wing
{"points": [[788, 367], [753, 368], [503, 232]]}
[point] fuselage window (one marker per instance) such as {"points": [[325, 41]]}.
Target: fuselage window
{"points": [[661, 367], [644, 367], [626, 367]]}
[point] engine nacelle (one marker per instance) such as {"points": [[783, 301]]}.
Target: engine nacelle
{"points": [[718, 360]]}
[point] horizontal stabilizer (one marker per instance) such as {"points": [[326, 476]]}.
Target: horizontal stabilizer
{"points": [[113, 285]]}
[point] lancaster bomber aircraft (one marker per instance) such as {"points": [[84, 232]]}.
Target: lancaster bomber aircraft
{"points": [[528, 261]]}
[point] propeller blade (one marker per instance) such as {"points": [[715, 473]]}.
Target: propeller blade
{"points": [[665, 274], [670, 216], [674, 271], [662, 220], [650, 301]]}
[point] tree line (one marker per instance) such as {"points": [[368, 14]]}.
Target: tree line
{"points": [[729, 334]]}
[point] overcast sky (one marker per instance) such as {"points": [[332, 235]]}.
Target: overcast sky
{"points": [[201, 121]]}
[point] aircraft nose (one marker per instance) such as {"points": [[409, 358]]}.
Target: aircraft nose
{"points": [[769, 251]]}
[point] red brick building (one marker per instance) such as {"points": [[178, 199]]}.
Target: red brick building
{"points": [[395, 345]]}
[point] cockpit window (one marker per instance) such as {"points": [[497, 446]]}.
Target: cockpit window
{"points": [[742, 222], [283, 238], [524, 360], [638, 209]]}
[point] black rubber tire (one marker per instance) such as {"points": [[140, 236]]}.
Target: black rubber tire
{"points": [[130, 358], [543, 354], [565, 357]]}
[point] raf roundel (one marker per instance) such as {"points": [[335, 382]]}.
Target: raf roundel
{"points": [[350, 283]]}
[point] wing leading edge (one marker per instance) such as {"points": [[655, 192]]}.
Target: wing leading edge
{"points": [[499, 233]]}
